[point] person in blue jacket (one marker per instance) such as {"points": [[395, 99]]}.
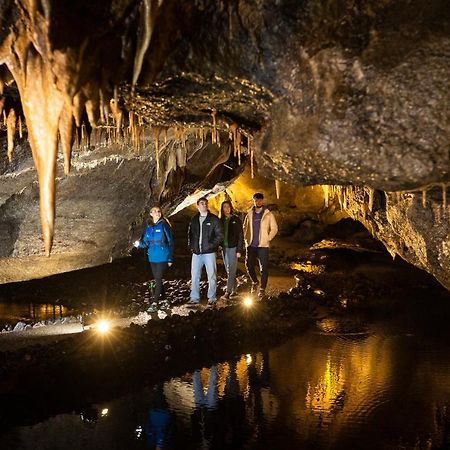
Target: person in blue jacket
{"points": [[157, 238]]}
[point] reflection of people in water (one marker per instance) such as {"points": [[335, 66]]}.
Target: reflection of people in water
{"points": [[158, 427], [206, 422]]}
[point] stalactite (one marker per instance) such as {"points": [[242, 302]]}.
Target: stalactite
{"points": [[444, 196], [20, 127], [278, 188], [371, 198], [4, 118], [145, 30], [78, 105], [11, 130], [102, 107], [424, 198], [2, 104], [326, 194], [117, 114], [66, 136], [250, 149], [344, 201], [214, 127], [156, 132], [93, 112]]}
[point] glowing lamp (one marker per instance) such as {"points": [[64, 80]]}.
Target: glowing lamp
{"points": [[248, 302], [103, 326]]}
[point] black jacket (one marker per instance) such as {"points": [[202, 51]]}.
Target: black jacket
{"points": [[212, 234], [235, 233]]}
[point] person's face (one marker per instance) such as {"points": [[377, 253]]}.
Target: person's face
{"points": [[226, 209], [258, 202], [155, 214], [202, 206]]}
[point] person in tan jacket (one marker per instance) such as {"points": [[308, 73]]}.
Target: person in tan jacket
{"points": [[260, 227]]}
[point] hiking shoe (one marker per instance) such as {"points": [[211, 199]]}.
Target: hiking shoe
{"points": [[193, 302], [254, 288], [234, 295], [225, 296], [212, 301], [261, 293]]}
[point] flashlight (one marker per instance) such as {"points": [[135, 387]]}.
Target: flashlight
{"points": [[248, 301], [136, 244]]}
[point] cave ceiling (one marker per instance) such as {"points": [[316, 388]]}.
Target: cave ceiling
{"points": [[311, 92]]}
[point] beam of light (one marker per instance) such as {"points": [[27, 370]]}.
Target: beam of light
{"points": [[103, 326]]}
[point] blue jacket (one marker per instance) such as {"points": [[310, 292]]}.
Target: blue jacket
{"points": [[158, 240]]}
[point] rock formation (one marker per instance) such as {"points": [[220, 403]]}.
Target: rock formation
{"points": [[332, 93]]}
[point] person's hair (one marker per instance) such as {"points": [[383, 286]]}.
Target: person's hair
{"points": [[258, 195], [226, 202], [162, 214], [202, 198]]}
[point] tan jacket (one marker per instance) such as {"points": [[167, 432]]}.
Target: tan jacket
{"points": [[267, 230]]}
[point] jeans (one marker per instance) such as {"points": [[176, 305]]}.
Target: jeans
{"points": [[208, 400], [158, 270], [230, 262], [198, 261], [262, 255]]}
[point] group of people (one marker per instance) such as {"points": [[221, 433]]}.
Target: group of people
{"points": [[207, 233]]}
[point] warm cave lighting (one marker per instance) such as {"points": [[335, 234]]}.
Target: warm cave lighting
{"points": [[103, 326], [248, 302], [105, 412]]}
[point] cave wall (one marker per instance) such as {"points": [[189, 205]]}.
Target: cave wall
{"points": [[307, 92]]}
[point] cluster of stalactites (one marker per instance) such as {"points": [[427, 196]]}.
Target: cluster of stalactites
{"points": [[53, 97]]}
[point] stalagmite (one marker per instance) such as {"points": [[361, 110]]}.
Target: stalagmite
{"points": [[278, 188], [66, 136], [11, 127], [424, 198]]}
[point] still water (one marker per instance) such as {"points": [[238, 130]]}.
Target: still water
{"points": [[386, 386]]}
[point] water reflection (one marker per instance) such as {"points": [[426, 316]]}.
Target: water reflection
{"points": [[13, 312], [385, 390]]}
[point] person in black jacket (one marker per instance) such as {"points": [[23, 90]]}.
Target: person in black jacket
{"points": [[205, 234], [232, 246]]}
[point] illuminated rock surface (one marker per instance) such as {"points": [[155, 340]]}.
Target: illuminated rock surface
{"points": [[306, 93]]}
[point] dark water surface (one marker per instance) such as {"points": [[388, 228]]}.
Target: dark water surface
{"points": [[384, 385]]}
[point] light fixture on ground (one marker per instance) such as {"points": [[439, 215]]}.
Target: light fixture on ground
{"points": [[103, 326], [248, 301]]}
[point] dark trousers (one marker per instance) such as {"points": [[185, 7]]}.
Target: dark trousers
{"points": [[262, 255], [158, 270]]}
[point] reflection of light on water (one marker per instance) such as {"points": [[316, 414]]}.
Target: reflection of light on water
{"points": [[328, 325], [330, 387], [308, 267]]}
